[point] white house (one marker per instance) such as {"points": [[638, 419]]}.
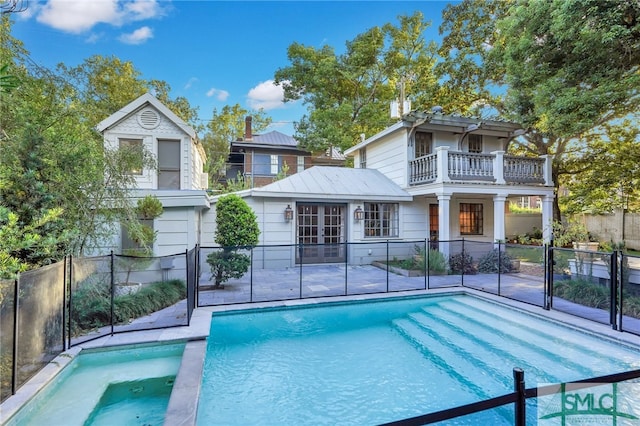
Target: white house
{"points": [[178, 181], [458, 169], [430, 176]]}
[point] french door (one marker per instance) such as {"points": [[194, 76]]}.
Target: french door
{"points": [[321, 232]]}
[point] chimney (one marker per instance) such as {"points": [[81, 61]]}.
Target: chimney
{"points": [[247, 128]]}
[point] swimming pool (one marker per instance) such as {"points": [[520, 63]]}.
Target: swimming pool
{"points": [[379, 361], [119, 385]]}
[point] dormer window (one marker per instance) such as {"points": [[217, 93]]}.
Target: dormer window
{"points": [[422, 141], [475, 143]]}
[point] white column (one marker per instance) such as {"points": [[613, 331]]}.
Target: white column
{"points": [[498, 217], [498, 167], [444, 227], [547, 218], [548, 176], [442, 163]]}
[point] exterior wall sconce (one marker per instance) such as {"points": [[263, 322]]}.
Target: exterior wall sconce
{"points": [[288, 213], [358, 214]]}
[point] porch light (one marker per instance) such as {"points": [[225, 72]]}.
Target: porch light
{"points": [[358, 214], [288, 213]]}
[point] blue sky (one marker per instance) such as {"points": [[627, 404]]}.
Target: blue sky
{"points": [[214, 53]]}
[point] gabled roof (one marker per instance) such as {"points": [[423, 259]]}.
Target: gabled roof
{"points": [[336, 183], [138, 104]]}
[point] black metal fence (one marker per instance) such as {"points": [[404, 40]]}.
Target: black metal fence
{"points": [[47, 310]]}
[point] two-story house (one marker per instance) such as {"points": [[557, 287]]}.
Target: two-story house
{"points": [[178, 180], [261, 158]]}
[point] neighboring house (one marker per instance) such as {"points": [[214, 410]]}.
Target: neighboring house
{"points": [[260, 159], [178, 181], [429, 176]]}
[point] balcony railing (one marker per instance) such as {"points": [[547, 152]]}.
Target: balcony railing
{"points": [[446, 166]]}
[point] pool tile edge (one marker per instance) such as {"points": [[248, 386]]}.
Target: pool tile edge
{"points": [[183, 404], [29, 390]]}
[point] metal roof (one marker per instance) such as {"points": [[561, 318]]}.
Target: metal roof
{"points": [[324, 182], [274, 138]]}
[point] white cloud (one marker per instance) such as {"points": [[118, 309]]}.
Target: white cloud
{"points": [[139, 36], [190, 83], [78, 16], [220, 95], [266, 95]]}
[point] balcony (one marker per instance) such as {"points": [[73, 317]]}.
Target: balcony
{"points": [[495, 167]]}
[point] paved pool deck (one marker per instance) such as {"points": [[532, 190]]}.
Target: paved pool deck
{"points": [[320, 284]]}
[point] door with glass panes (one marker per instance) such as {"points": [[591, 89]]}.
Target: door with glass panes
{"points": [[320, 233]]}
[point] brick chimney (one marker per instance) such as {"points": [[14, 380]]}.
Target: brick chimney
{"points": [[247, 129]]}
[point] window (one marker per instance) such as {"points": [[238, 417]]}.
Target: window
{"points": [[300, 163], [422, 142], [134, 149], [363, 158], [470, 219], [475, 143], [266, 164], [168, 164], [380, 219]]}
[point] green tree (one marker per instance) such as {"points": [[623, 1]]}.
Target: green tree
{"points": [[561, 68], [611, 179], [349, 94], [227, 126], [236, 229]]}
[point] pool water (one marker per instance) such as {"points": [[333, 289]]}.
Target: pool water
{"points": [[124, 386], [141, 402], [372, 362]]}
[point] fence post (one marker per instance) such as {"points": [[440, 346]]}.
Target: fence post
{"points": [[16, 306], [549, 275], [499, 264], [464, 264], [426, 264], [387, 266], [64, 303], [621, 279], [251, 276], [113, 288], [521, 401], [613, 289], [346, 268], [301, 251]]}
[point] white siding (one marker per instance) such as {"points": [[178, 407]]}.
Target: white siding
{"points": [[389, 156]]}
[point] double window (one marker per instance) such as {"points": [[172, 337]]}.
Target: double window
{"points": [[380, 219], [470, 219]]}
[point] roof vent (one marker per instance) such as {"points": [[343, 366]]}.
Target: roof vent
{"points": [[149, 118], [436, 109]]}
